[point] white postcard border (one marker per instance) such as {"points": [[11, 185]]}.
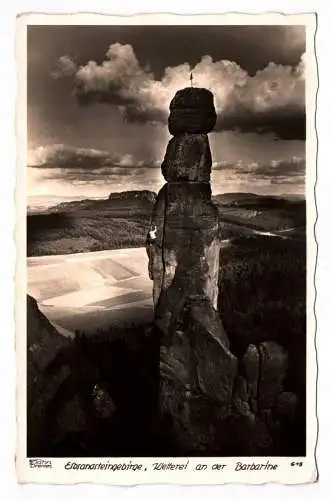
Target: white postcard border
{"points": [[304, 469]]}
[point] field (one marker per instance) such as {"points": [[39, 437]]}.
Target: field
{"points": [[92, 291]]}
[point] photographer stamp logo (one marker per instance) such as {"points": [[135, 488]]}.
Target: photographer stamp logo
{"points": [[40, 463]]}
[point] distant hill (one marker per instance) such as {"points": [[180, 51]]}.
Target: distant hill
{"points": [[43, 202], [262, 212], [122, 203], [121, 221], [252, 200], [143, 200]]}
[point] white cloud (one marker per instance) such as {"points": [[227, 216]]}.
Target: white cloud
{"points": [[65, 67], [241, 100]]}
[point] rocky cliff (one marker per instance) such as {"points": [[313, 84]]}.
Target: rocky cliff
{"points": [[44, 343]]}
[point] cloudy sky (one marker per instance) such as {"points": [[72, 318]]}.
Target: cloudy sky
{"points": [[98, 100]]}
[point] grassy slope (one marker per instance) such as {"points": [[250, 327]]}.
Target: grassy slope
{"points": [[89, 226], [123, 222]]}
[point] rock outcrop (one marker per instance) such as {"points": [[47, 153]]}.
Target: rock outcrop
{"points": [[44, 344], [144, 195], [65, 394], [192, 111]]}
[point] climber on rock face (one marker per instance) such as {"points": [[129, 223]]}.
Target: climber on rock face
{"points": [[152, 249], [152, 235]]}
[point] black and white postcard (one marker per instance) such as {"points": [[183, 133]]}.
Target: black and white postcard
{"points": [[165, 327]]}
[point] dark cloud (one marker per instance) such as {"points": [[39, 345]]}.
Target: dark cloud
{"points": [[279, 169], [59, 155], [90, 165], [283, 124], [81, 159], [100, 174], [291, 168]]}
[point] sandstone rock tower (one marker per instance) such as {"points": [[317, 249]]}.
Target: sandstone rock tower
{"points": [[213, 401], [195, 361]]}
